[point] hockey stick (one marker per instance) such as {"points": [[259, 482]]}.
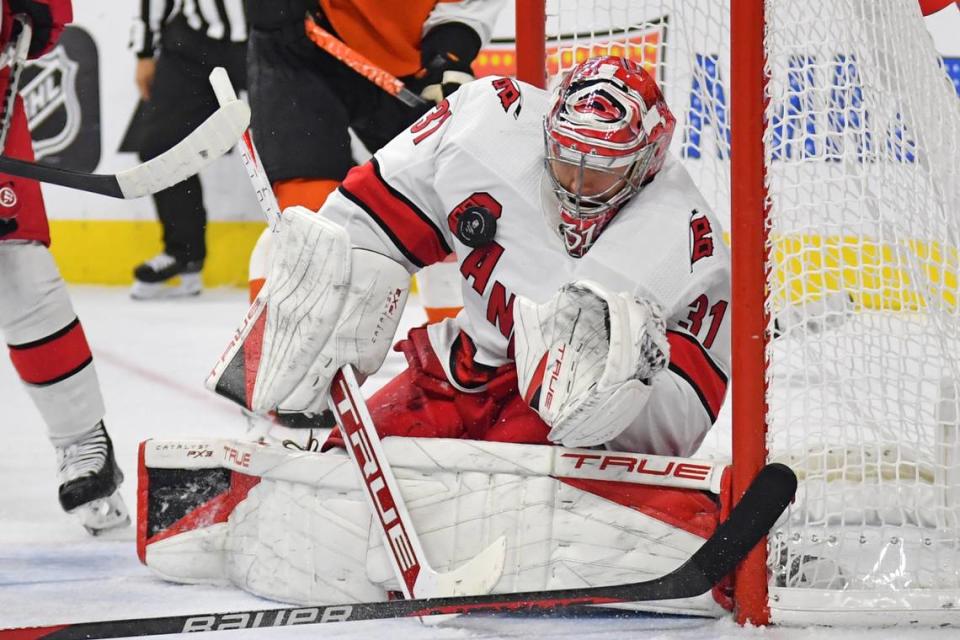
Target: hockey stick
{"points": [[360, 63], [749, 521], [417, 578], [14, 56], [213, 138]]}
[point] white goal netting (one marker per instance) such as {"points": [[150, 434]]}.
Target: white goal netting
{"points": [[862, 144]]}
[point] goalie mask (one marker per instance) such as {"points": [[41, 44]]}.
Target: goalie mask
{"points": [[606, 136]]}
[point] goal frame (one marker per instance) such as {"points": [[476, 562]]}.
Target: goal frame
{"points": [[748, 198]]}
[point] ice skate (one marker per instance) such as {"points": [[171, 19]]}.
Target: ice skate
{"points": [[158, 278], [89, 482]]}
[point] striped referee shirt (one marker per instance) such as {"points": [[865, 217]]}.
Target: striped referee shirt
{"points": [[221, 20]]}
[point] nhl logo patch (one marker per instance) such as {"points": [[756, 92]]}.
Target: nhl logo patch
{"points": [[61, 99]]}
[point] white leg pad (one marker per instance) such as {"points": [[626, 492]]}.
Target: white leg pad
{"points": [[303, 534]]}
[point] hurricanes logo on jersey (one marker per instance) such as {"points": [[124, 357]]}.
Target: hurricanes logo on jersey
{"points": [[701, 237], [509, 93]]}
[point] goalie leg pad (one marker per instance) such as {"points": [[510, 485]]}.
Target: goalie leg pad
{"points": [[364, 331], [303, 533], [292, 317]]}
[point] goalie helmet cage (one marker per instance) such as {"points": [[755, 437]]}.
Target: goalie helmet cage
{"points": [[845, 132]]}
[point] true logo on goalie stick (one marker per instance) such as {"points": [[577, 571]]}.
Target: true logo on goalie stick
{"points": [[357, 439]]}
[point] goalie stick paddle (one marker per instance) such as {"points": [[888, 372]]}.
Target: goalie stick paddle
{"points": [[750, 520], [213, 138]]}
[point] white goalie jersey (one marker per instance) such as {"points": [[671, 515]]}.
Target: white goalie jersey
{"points": [[483, 148]]}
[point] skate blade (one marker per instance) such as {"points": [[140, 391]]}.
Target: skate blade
{"points": [[163, 290], [103, 514]]}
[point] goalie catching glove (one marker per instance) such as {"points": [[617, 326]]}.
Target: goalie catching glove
{"points": [[586, 360]]}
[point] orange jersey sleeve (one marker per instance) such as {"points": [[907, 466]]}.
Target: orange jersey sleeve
{"points": [[386, 32]]}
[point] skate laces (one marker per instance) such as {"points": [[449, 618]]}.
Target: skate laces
{"points": [[312, 444], [85, 456], [161, 261]]}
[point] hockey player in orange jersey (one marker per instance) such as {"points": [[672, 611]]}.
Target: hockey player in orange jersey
{"points": [[300, 93], [37, 321]]}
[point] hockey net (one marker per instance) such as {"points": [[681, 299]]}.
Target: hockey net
{"points": [[861, 137]]}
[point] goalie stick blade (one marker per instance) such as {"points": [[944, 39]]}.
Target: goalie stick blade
{"points": [[761, 505]]}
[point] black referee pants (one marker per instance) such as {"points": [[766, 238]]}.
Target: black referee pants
{"points": [[181, 99]]}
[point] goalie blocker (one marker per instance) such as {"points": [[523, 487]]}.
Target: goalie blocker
{"points": [[293, 526]]}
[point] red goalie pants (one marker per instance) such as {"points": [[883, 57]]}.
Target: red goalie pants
{"points": [[420, 402]]}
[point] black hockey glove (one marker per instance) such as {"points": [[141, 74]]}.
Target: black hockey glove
{"points": [[42, 21], [7, 225], [445, 53]]}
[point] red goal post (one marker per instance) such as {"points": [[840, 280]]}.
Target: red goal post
{"points": [[843, 132]]}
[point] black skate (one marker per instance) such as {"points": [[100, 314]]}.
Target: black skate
{"points": [[90, 478], [155, 278]]}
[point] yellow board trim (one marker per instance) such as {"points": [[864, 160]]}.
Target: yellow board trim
{"points": [[106, 251], [876, 274]]}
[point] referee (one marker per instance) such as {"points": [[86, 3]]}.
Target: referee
{"points": [[178, 43]]}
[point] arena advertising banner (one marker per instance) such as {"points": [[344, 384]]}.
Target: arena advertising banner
{"points": [[81, 96]]}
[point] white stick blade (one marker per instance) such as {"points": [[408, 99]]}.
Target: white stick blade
{"points": [[217, 135], [477, 576]]}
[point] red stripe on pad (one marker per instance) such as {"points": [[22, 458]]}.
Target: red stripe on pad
{"points": [[211, 512], [51, 358], [252, 352]]}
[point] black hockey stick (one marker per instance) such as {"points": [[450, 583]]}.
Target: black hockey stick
{"points": [[213, 138], [749, 521]]}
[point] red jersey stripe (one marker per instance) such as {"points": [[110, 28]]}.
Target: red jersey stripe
{"points": [[690, 361], [409, 228], [53, 358]]}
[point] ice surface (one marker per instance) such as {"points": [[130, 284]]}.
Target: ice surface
{"points": [[152, 358]]}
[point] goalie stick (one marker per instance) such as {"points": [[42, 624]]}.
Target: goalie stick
{"points": [[750, 520], [213, 138], [15, 57], [400, 539]]}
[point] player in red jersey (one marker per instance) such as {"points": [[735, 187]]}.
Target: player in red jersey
{"points": [[37, 321]]}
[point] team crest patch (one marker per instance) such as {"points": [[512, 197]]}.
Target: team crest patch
{"points": [[510, 97], [701, 237]]}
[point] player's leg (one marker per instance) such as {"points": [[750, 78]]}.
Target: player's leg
{"points": [[299, 125], [51, 355], [181, 99]]}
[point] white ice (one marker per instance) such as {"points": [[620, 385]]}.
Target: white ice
{"points": [[152, 358]]}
